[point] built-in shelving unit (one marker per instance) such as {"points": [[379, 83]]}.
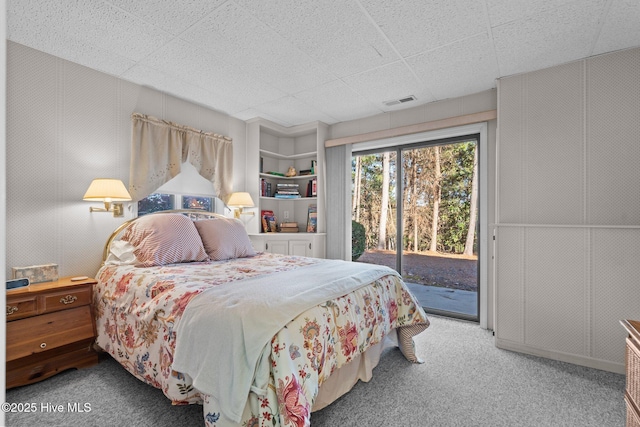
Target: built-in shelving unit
{"points": [[274, 148]]}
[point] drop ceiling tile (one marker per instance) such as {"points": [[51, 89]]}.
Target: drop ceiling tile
{"points": [[461, 68], [172, 16], [234, 33], [415, 26], [210, 72], [55, 41], [504, 11], [335, 33], [387, 83], [294, 110], [96, 24], [146, 76], [621, 27], [550, 38], [338, 101]]}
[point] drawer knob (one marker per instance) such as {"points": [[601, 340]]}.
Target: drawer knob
{"points": [[43, 345], [69, 299], [11, 309]]}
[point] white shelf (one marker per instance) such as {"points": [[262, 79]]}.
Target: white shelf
{"points": [[268, 175], [295, 199], [288, 156]]}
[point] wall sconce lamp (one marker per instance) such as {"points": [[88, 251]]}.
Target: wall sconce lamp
{"points": [[107, 190], [240, 200]]}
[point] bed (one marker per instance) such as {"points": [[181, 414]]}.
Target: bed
{"points": [[185, 304]]}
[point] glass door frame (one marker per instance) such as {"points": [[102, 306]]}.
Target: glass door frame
{"points": [[398, 150]]}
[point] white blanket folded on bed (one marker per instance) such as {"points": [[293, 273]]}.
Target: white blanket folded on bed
{"points": [[222, 339]]}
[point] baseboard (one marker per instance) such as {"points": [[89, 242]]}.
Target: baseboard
{"points": [[589, 362]]}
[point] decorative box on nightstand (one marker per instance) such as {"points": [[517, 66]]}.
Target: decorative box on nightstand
{"points": [[50, 328]]}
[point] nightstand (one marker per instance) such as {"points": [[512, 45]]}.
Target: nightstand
{"points": [[50, 328]]}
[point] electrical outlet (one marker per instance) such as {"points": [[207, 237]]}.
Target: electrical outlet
{"points": [[285, 214]]}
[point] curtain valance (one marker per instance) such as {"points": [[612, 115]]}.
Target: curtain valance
{"points": [[159, 147]]}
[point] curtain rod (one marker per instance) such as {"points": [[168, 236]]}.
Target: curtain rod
{"points": [[177, 126]]}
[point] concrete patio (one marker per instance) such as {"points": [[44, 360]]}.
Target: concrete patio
{"points": [[464, 303]]}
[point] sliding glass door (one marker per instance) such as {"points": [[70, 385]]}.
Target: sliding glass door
{"points": [[425, 226]]}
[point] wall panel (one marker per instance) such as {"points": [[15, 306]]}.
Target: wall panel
{"points": [[553, 146], [68, 124], [613, 144], [556, 298], [567, 159]]}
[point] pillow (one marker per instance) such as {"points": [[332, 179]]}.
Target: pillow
{"points": [[165, 239], [121, 253], [224, 238]]}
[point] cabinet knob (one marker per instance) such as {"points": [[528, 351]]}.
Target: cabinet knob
{"points": [[11, 309], [69, 299], [266, 246], [43, 345]]}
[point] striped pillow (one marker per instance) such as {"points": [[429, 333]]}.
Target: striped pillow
{"points": [[165, 239], [224, 238]]}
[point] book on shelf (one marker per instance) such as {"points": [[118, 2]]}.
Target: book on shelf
{"points": [[265, 188], [304, 172], [288, 224], [312, 219], [289, 229], [287, 196], [312, 188], [314, 165]]}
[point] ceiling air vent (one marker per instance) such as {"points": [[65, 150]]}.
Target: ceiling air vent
{"points": [[400, 101]]}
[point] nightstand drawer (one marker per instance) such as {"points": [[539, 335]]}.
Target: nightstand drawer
{"points": [[17, 308], [66, 299], [42, 333], [632, 417]]}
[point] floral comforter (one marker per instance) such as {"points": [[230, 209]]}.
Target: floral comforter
{"points": [[138, 309]]}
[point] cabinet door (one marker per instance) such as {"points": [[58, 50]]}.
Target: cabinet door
{"points": [[277, 247], [300, 247]]}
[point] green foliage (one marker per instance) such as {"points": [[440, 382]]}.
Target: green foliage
{"points": [[358, 239], [419, 194]]}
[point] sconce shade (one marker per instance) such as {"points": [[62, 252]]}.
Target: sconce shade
{"points": [[240, 200], [107, 189]]}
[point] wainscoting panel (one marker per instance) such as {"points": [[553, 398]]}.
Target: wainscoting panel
{"points": [[615, 288], [556, 300], [510, 274]]}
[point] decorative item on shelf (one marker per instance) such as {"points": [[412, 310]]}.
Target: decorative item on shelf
{"points": [[289, 227], [36, 273], [275, 173], [312, 219], [240, 200], [291, 172], [107, 190], [269, 222]]}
